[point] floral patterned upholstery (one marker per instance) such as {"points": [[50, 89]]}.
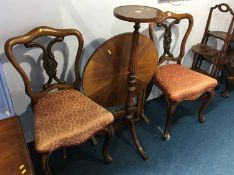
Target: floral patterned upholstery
{"points": [[66, 118], [180, 83]]}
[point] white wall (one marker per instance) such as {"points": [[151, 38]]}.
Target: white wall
{"points": [[94, 18]]}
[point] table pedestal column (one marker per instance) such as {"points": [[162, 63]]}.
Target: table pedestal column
{"points": [[131, 116]]}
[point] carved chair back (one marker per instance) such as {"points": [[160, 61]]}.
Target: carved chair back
{"points": [[49, 62], [223, 8], [167, 38]]}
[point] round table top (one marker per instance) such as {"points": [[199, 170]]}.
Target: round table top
{"points": [[105, 74], [138, 13]]}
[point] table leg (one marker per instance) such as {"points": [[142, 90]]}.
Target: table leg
{"points": [[132, 89]]}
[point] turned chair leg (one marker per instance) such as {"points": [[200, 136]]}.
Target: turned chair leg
{"points": [[170, 112], [207, 98], [110, 133], [45, 164]]}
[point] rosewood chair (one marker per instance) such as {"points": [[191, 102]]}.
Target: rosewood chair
{"points": [[208, 53], [177, 82], [63, 116]]}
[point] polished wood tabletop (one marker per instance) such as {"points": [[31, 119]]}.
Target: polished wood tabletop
{"points": [[105, 75], [14, 158], [138, 13]]}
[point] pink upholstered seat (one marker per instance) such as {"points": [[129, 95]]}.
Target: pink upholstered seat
{"points": [[179, 83], [67, 118]]}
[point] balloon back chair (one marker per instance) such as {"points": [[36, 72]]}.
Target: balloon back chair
{"points": [[177, 82], [63, 116]]}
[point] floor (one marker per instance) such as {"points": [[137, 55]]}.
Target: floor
{"points": [[194, 148]]}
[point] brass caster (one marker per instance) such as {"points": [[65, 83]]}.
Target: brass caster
{"points": [[166, 136]]}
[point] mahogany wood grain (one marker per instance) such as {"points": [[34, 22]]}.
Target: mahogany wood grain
{"points": [[14, 152], [105, 75]]}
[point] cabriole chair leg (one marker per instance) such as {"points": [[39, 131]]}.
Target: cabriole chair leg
{"points": [[109, 135], [207, 98], [45, 164]]}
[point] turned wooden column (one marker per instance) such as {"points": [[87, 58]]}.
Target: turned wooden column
{"points": [[137, 14], [132, 73], [132, 90]]}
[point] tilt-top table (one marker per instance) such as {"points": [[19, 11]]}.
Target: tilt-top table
{"points": [[137, 14]]}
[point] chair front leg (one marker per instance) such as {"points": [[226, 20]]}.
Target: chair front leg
{"points": [[170, 112], [45, 164], [207, 98], [109, 135]]}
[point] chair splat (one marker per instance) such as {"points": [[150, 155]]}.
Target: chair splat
{"points": [[167, 40], [49, 62]]}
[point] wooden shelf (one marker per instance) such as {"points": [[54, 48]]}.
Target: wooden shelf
{"points": [[219, 34], [207, 52], [201, 71]]}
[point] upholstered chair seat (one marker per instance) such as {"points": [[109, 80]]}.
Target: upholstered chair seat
{"points": [[179, 83], [67, 118]]}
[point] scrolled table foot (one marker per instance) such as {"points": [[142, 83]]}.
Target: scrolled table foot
{"points": [[166, 136], [137, 141]]}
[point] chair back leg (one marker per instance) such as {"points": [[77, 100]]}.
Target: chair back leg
{"points": [[170, 112], [109, 135]]}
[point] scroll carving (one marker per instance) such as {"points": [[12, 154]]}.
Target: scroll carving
{"points": [[167, 39], [49, 62]]}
